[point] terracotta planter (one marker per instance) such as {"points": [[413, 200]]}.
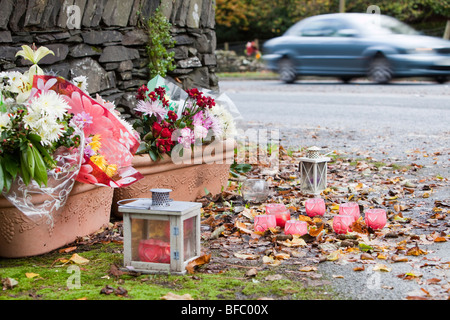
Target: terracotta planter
{"points": [[87, 209], [188, 181]]}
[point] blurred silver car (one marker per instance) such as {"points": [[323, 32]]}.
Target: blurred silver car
{"points": [[351, 45]]}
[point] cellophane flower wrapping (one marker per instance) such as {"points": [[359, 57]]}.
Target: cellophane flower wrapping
{"points": [[37, 201], [110, 142]]}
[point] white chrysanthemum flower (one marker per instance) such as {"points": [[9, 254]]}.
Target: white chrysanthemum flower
{"points": [[51, 133], [226, 120], [31, 119], [81, 82], [47, 128], [50, 103]]}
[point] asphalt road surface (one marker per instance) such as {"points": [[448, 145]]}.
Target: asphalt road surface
{"points": [[386, 122]]}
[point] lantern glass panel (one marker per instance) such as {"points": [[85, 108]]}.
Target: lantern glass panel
{"points": [[190, 236], [313, 175], [150, 240]]}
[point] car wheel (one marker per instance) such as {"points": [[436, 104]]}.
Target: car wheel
{"points": [[441, 79], [286, 70], [346, 79], [380, 70]]}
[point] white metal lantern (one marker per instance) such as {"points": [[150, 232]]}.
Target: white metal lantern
{"points": [[313, 171], [160, 235]]}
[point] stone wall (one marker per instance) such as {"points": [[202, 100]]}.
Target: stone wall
{"points": [[102, 40]]}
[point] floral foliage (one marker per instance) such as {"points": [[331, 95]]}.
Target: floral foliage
{"points": [[164, 122], [40, 114]]}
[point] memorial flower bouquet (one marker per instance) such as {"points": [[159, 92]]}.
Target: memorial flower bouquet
{"points": [[170, 118], [53, 133]]}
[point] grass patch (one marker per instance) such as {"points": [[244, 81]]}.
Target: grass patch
{"points": [[55, 280]]}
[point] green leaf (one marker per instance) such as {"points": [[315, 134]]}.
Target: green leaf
{"points": [[34, 137], [237, 169], [11, 165], [30, 163], [24, 173], [148, 136], [44, 153], [242, 167], [153, 155], [365, 247], [7, 180], [2, 178], [40, 173]]}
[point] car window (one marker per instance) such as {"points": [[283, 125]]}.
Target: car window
{"points": [[383, 25], [321, 28]]}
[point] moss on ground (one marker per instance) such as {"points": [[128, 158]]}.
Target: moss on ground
{"points": [[51, 277]]}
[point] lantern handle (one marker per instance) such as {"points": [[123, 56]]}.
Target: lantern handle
{"points": [[130, 206]]}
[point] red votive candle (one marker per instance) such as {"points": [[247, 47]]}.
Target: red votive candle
{"points": [[280, 212], [315, 207], [263, 222], [296, 227], [376, 218], [154, 250], [342, 223], [351, 209]]}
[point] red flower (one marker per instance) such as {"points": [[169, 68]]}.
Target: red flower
{"points": [[156, 129], [172, 115], [165, 133], [162, 149], [141, 92], [160, 91], [152, 96], [210, 102], [194, 93]]}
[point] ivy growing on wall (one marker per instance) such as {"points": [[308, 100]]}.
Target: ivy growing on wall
{"points": [[160, 40]]}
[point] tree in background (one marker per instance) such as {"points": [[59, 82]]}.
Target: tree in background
{"points": [[243, 20]]}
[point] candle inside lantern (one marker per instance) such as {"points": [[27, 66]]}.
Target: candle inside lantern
{"points": [[376, 218], [263, 222], [315, 207], [296, 227], [351, 209], [280, 212], [154, 250], [342, 223]]}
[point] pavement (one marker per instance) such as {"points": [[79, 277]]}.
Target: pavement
{"points": [[404, 122]]}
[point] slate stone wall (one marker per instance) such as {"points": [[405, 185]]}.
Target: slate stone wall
{"points": [[102, 40]]}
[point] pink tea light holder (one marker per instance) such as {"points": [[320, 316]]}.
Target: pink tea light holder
{"points": [[342, 223], [296, 227], [351, 209], [264, 222], [280, 212], [375, 218], [315, 207]]}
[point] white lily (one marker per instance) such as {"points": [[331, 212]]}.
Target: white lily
{"points": [[24, 85], [34, 55]]}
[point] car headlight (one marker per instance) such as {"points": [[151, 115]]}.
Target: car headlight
{"points": [[421, 51]]}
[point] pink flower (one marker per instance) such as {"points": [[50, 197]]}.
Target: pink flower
{"points": [[197, 119], [151, 108], [200, 132], [81, 119], [85, 174], [186, 137]]}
